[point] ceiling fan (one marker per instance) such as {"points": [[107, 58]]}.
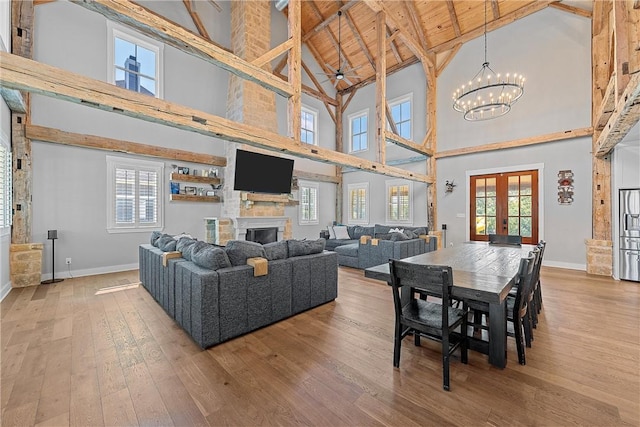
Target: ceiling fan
{"points": [[343, 72]]}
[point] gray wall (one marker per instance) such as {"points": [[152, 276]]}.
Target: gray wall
{"points": [[553, 50]]}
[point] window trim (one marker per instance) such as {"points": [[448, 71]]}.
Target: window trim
{"points": [[400, 100], [122, 32], [356, 115], [114, 162], [395, 183], [357, 186], [315, 114], [316, 186], [5, 228]]}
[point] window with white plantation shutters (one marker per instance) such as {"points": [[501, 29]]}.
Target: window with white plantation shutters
{"points": [[5, 187], [134, 195], [308, 195], [399, 201], [358, 203]]}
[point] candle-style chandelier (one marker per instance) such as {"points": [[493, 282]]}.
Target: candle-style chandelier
{"points": [[488, 95]]}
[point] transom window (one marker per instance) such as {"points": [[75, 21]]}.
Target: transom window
{"points": [[135, 61], [134, 195], [308, 195], [399, 206], [358, 126], [6, 215], [309, 126], [401, 114], [358, 203]]}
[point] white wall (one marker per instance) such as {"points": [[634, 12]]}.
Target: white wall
{"points": [[553, 50]]}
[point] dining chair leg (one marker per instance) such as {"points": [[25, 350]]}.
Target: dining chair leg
{"points": [[528, 330], [445, 363], [517, 327], [416, 338], [464, 347], [397, 342]]}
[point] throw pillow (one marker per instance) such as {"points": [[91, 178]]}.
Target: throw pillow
{"points": [[332, 234], [305, 247], [184, 242], [190, 249], [276, 250], [154, 238], [359, 231], [410, 234], [239, 250], [210, 257], [397, 237], [166, 243], [396, 230], [181, 235], [341, 232]]}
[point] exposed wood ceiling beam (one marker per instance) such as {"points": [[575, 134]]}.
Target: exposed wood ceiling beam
{"points": [[454, 18], [325, 22], [316, 177], [39, 2], [625, 116], [294, 71], [636, 4], [312, 92], [390, 70], [493, 25], [24, 74], [572, 9], [196, 20], [540, 139], [215, 4], [273, 53], [46, 134], [147, 22], [409, 145], [321, 90], [420, 35], [390, 121], [447, 59], [392, 44], [361, 43]]}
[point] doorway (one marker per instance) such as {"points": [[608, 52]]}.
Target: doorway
{"points": [[504, 203]]}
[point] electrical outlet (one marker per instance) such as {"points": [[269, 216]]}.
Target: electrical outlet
{"points": [[68, 261]]}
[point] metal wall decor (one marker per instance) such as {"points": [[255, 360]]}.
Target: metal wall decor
{"points": [[565, 187]]}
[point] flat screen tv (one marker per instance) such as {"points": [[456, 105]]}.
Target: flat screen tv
{"points": [[261, 173]]}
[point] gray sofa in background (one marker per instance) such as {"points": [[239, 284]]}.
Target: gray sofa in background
{"points": [[214, 296], [388, 245]]}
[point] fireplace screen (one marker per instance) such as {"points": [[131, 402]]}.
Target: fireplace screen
{"points": [[262, 235]]}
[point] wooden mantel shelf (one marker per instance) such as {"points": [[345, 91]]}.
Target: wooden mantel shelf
{"points": [[261, 197]]}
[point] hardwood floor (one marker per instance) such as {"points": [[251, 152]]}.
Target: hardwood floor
{"points": [[74, 353]]}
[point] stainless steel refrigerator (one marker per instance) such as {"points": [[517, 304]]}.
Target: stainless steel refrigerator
{"points": [[630, 234]]}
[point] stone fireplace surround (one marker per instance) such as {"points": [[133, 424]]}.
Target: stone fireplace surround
{"points": [[241, 224]]}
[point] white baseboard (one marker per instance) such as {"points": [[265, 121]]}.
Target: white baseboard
{"points": [[567, 265], [92, 271], [5, 289]]}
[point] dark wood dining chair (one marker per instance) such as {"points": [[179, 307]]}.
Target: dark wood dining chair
{"points": [[537, 289], [432, 320], [505, 239], [518, 307]]}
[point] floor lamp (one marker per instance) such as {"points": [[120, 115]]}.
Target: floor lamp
{"points": [[52, 235]]}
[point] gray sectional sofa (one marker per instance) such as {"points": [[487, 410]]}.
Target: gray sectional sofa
{"points": [[213, 294], [387, 245]]}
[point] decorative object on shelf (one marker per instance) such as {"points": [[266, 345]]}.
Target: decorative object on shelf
{"points": [[488, 95], [190, 190], [449, 186], [565, 187], [183, 170], [52, 235], [175, 187]]}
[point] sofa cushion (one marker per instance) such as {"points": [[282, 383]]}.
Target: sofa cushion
{"points": [[410, 234], [305, 247], [348, 250], [341, 232], [332, 234], [155, 235], [189, 249], [210, 257], [357, 231], [167, 243], [276, 250], [239, 250]]}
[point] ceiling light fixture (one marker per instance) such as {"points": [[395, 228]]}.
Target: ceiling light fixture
{"points": [[488, 95]]}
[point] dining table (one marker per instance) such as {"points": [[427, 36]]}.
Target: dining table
{"points": [[483, 273]]}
